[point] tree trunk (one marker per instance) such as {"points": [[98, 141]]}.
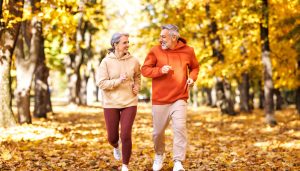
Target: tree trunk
{"points": [[213, 94], [83, 89], [244, 94], [91, 89], [225, 102], [261, 96], [298, 90], [279, 99], [8, 37], [230, 105], [74, 62], [268, 82], [221, 103], [42, 102], [73, 77], [195, 96], [87, 72], [251, 101], [298, 100], [26, 65], [207, 95]]}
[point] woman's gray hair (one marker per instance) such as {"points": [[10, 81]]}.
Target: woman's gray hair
{"points": [[116, 39], [173, 29]]}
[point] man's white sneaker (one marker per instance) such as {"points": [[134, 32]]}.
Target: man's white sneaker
{"points": [[178, 166], [158, 162], [124, 167], [117, 153]]}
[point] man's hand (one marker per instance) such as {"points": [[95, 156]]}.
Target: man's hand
{"points": [[123, 77], [190, 82], [135, 89], [165, 69]]}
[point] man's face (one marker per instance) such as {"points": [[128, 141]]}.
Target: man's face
{"points": [[165, 39], [123, 45]]}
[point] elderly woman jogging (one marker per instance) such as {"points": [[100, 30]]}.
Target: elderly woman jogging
{"points": [[118, 76]]}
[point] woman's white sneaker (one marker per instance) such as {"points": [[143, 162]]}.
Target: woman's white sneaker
{"points": [[117, 153], [124, 167]]}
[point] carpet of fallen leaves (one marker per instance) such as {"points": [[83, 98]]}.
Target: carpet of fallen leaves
{"points": [[74, 138]]}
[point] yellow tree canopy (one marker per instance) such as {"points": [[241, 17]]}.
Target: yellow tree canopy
{"points": [[238, 23]]}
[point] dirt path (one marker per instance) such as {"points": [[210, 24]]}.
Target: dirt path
{"points": [[75, 139]]}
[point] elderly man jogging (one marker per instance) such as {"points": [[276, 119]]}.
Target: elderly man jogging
{"points": [[173, 67]]}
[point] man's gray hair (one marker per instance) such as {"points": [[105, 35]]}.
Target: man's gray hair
{"points": [[173, 29], [116, 39]]}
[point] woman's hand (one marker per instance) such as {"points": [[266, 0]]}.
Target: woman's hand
{"points": [[123, 77], [135, 89]]}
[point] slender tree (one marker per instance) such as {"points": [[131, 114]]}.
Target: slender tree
{"points": [[25, 66], [298, 89], [42, 101], [74, 62], [267, 72], [244, 93], [223, 87], [88, 71], [8, 35], [298, 100]]}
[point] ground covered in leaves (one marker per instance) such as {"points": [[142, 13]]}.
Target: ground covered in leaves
{"points": [[74, 138]]}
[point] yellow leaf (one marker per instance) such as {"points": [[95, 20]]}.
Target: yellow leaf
{"points": [[6, 155], [62, 164]]}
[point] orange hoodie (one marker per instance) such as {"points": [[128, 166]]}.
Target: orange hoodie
{"points": [[168, 88]]}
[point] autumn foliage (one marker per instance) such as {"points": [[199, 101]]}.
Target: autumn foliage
{"points": [[227, 38], [75, 139]]}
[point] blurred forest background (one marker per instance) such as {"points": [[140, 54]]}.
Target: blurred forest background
{"points": [[248, 51]]}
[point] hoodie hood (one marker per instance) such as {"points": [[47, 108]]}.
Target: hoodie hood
{"points": [[113, 56], [180, 43], [180, 39]]}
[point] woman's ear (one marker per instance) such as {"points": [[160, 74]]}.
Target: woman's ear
{"points": [[115, 44]]}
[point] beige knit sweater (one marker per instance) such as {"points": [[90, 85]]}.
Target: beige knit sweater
{"points": [[117, 94]]}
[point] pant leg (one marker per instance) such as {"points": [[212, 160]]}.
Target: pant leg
{"points": [[127, 119], [178, 115], [112, 119], [160, 119]]}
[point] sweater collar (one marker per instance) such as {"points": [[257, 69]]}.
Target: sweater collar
{"points": [[113, 56]]}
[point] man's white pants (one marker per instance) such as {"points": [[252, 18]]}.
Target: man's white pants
{"points": [[162, 114]]}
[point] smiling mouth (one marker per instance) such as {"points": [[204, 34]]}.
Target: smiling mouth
{"points": [[163, 45]]}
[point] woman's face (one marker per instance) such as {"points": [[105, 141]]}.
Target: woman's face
{"points": [[123, 45]]}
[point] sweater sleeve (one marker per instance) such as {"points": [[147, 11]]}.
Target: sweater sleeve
{"points": [[149, 68], [194, 66], [137, 75], [103, 81]]}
